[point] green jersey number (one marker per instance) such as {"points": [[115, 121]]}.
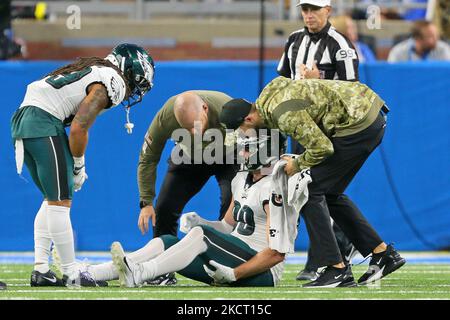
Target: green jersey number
{"points": [[62, 80], [244, 217]]}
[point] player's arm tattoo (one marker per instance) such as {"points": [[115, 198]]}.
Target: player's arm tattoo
{"points": [[90, 107]]}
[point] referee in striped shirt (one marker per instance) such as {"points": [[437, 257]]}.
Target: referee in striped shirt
{"points": [[319, 51]]}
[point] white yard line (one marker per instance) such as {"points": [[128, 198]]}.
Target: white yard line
{"points": [[227, 291]]}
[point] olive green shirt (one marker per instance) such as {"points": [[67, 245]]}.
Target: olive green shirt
{"points": [[161, 130], [312, 111]]}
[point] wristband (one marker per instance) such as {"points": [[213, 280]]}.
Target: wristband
{"points": [[78, 162]]}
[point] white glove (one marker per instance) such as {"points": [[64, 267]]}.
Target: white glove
{"points": [[222, 275], [188, 221], [79, 173]]}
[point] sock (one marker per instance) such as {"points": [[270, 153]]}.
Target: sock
{"points": [[104, 271], [151, 250], [60, 228], [177, 257], [42, 240]]}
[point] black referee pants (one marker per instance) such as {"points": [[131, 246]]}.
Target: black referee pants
{"points": [[329, 181], [181, 183]]}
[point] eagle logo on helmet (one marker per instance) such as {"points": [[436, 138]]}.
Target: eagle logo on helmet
{"points": [[146, 67]]}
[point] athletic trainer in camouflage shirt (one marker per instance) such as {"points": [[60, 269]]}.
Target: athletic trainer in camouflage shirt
{"points": [[339, 123], [313, 111]]}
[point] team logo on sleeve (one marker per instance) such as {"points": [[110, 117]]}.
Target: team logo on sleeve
{"points": [[277, 199], [115, 89]]}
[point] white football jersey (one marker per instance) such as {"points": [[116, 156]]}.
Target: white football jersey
{"points": [[251, 227], [61, 95]]}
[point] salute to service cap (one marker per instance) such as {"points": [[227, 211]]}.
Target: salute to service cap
{"points": [[317, 3], [234, 112]]}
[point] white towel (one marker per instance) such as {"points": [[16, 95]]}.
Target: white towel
{"points": [[288, 197], [19, 155], [298, 192]]}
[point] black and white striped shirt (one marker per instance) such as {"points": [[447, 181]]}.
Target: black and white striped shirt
{"points": [[335, 54]]}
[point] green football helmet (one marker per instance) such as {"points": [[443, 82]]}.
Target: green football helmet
{"points": [[137, 67]]}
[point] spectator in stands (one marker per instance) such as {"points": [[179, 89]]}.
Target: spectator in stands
{"points": [[345, 25], [9, 46], [442, 17], [424, 45]]}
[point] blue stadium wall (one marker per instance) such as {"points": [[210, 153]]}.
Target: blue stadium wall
{"points": [[403, 189]]}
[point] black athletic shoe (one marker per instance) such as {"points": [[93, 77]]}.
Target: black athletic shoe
{"points": [[381, 265], [349, 254], [332, 277], [168, 279], [84, 279], [2, 286], [48, 279], [309, 275]]}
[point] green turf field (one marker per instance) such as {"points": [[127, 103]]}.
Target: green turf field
{"points": [[410, 282]]}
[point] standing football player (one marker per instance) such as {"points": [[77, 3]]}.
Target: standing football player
{"points": [[73, 95]]}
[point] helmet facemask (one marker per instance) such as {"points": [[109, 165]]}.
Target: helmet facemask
{"points": [[261, 151]]}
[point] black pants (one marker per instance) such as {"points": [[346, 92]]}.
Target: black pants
{"points": [[329, 180], [342, 241], [181, 183]]}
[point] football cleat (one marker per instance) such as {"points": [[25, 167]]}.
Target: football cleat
{"points": [[168, 279], [82, 279], [332, 277], [83, 268], [48, 279], [129, 272], [381, 265], [309, 275], [2, 286]]}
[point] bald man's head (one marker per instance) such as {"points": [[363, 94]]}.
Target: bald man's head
{"points": [[190, 107]]}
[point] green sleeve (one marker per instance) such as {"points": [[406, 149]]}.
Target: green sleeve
{"points": [[154, 141], [300, 126]]}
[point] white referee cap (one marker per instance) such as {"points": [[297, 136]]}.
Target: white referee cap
{"points": [[317, 3]]}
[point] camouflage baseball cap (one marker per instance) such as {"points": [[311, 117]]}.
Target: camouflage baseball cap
{"points": [[234, 112]]}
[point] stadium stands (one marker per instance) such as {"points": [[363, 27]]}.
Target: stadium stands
{"points": [[172, 30]]}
